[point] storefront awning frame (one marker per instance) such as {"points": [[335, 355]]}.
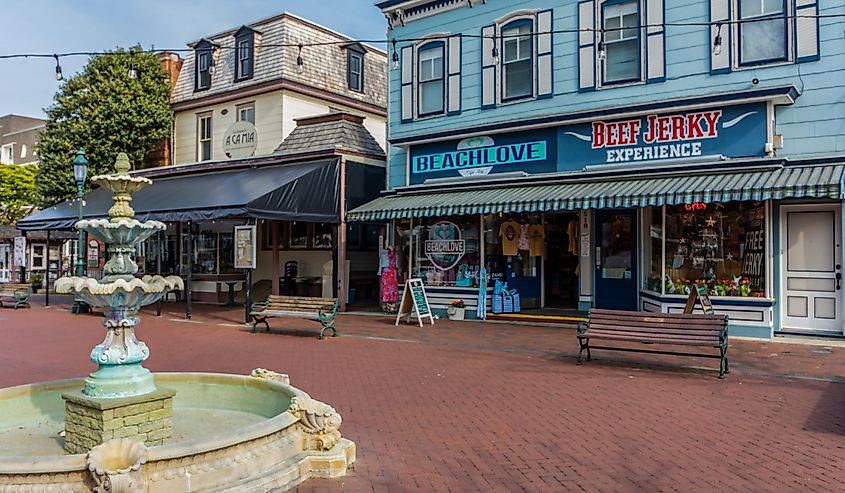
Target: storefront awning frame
{"points": [[306, 191], [823, 181]]}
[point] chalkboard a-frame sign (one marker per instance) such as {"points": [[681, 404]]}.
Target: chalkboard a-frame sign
{"points": [[415, 301], [699, 292]]}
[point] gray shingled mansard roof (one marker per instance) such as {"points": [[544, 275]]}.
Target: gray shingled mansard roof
{"points": [[337, 131]]}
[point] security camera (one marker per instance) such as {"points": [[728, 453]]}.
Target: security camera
{"points": [[755, 81]]}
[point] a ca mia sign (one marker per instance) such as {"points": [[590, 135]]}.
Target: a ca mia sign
{"points": [[240, 140]]}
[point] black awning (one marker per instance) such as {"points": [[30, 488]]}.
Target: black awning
{"points": [[304, 192]]}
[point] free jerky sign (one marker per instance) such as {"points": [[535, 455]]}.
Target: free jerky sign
{"points": [[732, 131], [532, 152]]}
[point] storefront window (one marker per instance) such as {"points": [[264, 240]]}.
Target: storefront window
{"points": [[446, 251], [299, 234], [322, 235], [508, 247], [655, 254], [719, 245]]}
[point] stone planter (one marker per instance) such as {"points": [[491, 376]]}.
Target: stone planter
{"points": [[116, 466], [456, 313]]}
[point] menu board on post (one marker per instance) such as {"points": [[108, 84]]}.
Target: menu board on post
{"points": [[414, 301], [699, 292]]}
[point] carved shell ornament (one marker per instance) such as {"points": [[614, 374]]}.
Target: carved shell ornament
{"points": [[116, 464]]}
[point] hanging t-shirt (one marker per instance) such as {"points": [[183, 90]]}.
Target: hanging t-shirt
{"points": [[509, 232], [536, 235], [572, 232], [523, 237]]}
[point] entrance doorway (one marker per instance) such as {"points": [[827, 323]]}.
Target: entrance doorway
{"points": [[812, 267], [616, 259], [561, 261]]}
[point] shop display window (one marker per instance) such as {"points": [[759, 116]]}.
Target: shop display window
{"points": [[719, 245], [654, 244], [508, 245], [446, 251], [298, 234]]}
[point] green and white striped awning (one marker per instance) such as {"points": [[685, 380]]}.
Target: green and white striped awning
{"points": [[819, 181]]}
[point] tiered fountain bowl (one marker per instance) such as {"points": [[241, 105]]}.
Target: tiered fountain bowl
{"points": [[230, 433]]}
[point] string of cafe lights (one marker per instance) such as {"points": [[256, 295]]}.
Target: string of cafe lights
{"points": [[601, 53]]}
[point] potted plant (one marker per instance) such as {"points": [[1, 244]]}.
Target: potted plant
{"points": [[456, 310], [35, 282]]}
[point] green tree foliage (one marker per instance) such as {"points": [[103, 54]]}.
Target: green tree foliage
{"points": [[17, 192], [103, 111]]}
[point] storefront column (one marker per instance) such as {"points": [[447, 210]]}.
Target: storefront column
{"points": [[274, 245], [341, 240], [585, 300], [189, 268]]}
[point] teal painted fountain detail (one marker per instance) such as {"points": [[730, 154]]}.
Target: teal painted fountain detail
{"points": [[120, 293]]}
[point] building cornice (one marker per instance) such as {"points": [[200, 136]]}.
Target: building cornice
{"points": [[780, 95], [275, 85]]}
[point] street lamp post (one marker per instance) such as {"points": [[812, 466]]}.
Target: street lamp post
{"points": [[80, 174]]}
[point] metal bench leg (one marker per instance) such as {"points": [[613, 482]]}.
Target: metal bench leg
{"points": [[262, 320], [327, 326], [723, 363], [585, 344]]}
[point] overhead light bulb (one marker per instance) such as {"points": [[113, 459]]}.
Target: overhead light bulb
{"points": [[300, 63], [395, 57], [133, 72], [717, 41], [59, 75]]}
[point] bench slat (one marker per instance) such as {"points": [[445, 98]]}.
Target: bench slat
{"points": [[681, 316], [599, 334], [658, 319], [658, 328], [647, 331], [636, 338]]}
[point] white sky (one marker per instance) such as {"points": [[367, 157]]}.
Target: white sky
{"points": [[50, 26]]}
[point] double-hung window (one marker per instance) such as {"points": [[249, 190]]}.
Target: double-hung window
{"points": [[621, 42], [762, 31], [203, 75], [204, 137], [244, 59], [517, 60], [355, 70], [431, 81], [246, 112]]}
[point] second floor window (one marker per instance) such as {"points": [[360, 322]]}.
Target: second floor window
{"points": [[762, 31], [246, 113], [517, 60], [203, 75], [355, 70], [431, 89], [621, 42], [244, 59], [204, 137]]}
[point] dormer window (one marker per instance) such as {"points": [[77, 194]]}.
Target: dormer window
{"points": [[244, 53], [204, 55], [355, 67]]}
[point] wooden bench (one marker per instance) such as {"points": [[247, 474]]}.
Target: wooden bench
{"points": [[15, 293], [323, 310], [679, 329]]}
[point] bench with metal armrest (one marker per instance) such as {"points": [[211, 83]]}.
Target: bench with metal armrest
{"points": [[677, 329], [18, 294], [323, 310]]}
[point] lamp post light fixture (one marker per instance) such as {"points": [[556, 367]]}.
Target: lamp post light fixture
{"points": [[80, 174]]}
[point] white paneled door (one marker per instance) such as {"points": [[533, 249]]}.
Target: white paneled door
{"points": [[812, 268]]}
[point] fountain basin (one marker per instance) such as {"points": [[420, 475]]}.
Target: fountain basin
{"points": [[231, 433]]}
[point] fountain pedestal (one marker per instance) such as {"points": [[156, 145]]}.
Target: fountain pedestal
{"points": [[91, 421]]}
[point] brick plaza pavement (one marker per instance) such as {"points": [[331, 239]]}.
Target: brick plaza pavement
{"points": [[468, 407]]}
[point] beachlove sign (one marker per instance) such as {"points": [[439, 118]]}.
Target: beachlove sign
{"points": [[734, 131], [444, 246], [532, 152]]}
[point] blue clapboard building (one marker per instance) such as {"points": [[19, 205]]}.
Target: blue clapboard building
{"points": [[615, 153]]}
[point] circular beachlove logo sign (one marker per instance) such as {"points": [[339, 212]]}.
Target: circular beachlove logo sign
{"points": [[444, 246], [240, 140]]}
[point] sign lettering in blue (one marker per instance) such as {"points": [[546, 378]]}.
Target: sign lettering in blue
{"points": [[483, 156]]}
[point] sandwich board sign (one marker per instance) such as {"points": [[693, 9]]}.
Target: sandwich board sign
{"points": [[699, 293], [414, 301]]}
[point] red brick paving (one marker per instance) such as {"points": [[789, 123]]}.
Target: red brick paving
{"points": [[468, 407]]}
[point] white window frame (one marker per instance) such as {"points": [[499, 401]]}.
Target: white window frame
{"points": [[532, 55], [207, 57], [444, 53], [241, 108], [210, 139], [7, 154], [42, 265], [600, 35], [736, 36]]}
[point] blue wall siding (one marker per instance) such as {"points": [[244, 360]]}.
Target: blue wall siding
{"points": [[815, 125]]}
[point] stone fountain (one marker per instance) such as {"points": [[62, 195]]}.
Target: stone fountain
{"points": [[128, 430]]}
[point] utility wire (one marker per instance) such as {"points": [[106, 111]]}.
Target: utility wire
{"points": [[411, 40]]}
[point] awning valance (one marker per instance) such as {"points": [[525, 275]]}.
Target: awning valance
{"points": [[820, 181], [305, 192]]}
